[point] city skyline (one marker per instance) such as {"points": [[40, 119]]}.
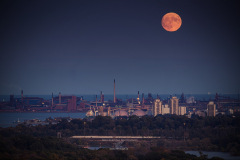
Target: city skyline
{"points": [[80, 47]]}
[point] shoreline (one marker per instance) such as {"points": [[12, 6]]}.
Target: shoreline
{"points": [[40, 112]]}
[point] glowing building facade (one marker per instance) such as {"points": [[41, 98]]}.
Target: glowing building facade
{"points": [[157, 107], [182, 110], [174, 106], [211, 108]]}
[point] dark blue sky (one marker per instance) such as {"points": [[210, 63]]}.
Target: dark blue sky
{"points": [[79, 47]]}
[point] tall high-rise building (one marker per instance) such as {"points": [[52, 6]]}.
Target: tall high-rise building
{"points": [[211, 107], [182, 110], [165, 109], [174, 105], [157, 107]]}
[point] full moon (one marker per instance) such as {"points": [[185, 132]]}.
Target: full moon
{"points": [[171, 22]]}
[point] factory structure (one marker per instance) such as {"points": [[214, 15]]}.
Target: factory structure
{"points": [[139, 106]]}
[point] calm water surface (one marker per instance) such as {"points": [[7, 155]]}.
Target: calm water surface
{"points": [[223, 155], [8, 119]]}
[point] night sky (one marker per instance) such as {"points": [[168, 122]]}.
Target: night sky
{"points": [[79, 47]]}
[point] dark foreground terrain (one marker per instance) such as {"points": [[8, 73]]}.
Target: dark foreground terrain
{"points": [[220, 133], [28, 147]]}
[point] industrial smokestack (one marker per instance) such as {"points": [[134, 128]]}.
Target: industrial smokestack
{"points": [[22, 93], [52, 98], [114, 98], [96, 101], [52, 102], [138, 99], [59, 96]]}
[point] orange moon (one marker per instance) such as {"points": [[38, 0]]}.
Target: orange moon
{"points": [[171, 22]]}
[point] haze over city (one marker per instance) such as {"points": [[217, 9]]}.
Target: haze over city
{"points": [[79, 47]]}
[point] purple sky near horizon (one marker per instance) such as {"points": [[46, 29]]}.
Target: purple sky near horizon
{"points": [[79, 47]]}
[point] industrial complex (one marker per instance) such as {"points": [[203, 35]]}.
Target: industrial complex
{"points": [[115, 107]]}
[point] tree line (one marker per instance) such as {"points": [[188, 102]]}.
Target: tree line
{"points": [[221, 131]]}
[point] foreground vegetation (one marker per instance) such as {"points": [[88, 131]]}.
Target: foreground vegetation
{"points": [[220, 133], [29, 147]]}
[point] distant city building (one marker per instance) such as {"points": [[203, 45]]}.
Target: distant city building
{"points": [[174, 105], [11, 98], [157, 107], [165, 109], [64, 103], [100, 111], [132, 103], [138, 99], [182, 110], [222, 113], [191, 100], [211, 107], [89, 113], [143, 100], [200, 113], [139, 113], [72, 104], [182, 98], [60, 107], [32, 101], [189, 114], [149, 99], [230, 111], [120, 113]]}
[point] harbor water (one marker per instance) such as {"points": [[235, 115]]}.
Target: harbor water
{"points": [[9, 119]]}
